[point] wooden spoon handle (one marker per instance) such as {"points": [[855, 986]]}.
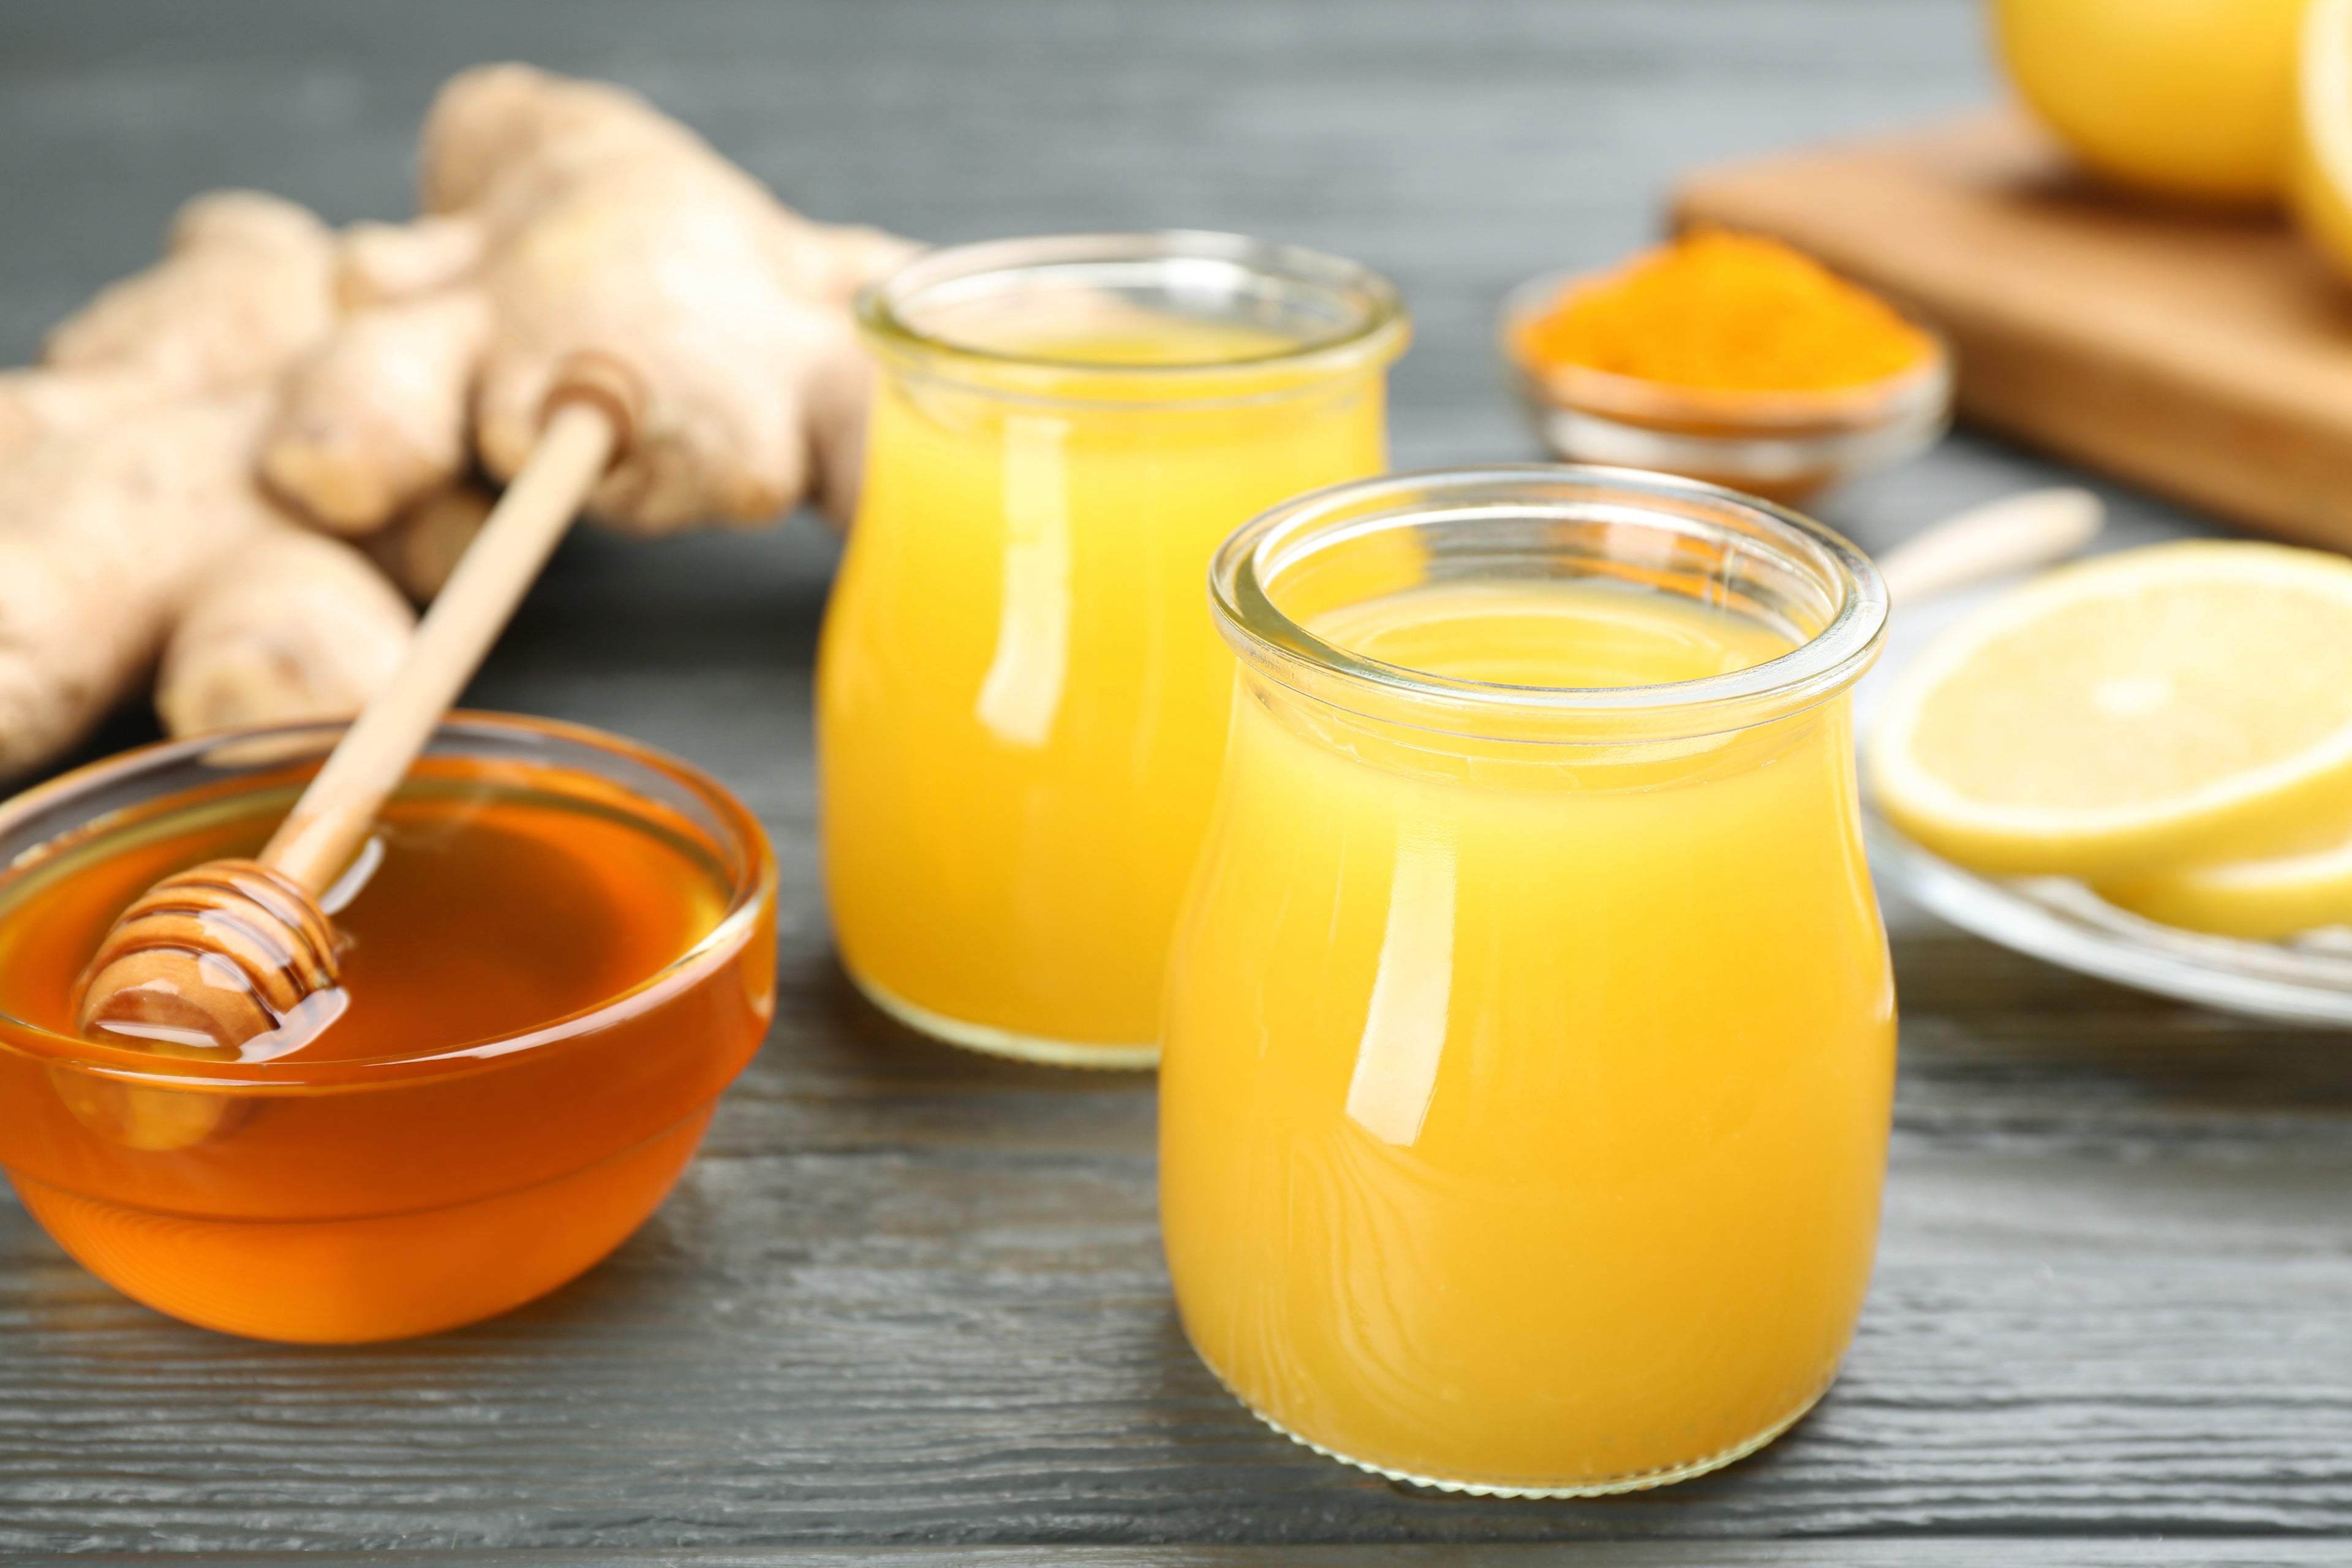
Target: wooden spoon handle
{"points": [[2033, 528], [331, 820]]}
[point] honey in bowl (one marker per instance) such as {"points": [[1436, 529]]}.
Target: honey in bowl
{"points": [[558, 953]]}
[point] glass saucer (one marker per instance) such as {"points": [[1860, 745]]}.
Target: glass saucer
{"points": [[2304, 980]]}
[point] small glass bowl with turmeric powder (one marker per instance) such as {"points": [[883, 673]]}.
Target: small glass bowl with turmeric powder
{"points": [[1726, 357]]}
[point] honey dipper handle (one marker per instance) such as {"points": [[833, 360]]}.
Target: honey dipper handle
{"points": [[331, 820]]}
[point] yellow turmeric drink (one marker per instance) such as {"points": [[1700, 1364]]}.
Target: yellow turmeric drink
{"points": [[1021, 701], [1530, 1035]]}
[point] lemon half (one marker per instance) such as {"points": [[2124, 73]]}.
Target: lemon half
{"points": [[2179, 704]]}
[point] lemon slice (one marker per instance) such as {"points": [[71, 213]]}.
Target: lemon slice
{"points": [[2319, 180], [2187, 702], [2261, 899]]}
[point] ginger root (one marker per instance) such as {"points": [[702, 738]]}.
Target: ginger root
{"points": [[375, 417], [385, 261], [245, 284], [105, 541], [128, 503], [287, 625], [595, 228], [565, 223], [100, 536], [424, 544]]}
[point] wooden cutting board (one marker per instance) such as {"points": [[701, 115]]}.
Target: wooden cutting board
{"points": [[2207, 358]]}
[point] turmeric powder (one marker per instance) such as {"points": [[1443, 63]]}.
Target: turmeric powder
{"points": [[1729, 311]]}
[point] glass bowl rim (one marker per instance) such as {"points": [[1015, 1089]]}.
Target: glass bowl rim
{"points": [[1829, 660], [880, 305], [752, 891], [1922, 390]]}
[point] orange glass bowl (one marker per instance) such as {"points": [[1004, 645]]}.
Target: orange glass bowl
{"points": [[1782, 446], [337, 1201]]}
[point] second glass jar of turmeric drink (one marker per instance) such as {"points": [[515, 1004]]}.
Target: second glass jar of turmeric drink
{"points": [[1021, 703], [1531, 1038]]}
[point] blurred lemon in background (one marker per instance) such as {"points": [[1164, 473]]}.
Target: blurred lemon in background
{"points": [[2322, 185], [2190, 100]]}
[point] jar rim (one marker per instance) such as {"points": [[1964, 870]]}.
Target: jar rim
{"points": [[749, 892], [1376, 331], [1827, 661]]}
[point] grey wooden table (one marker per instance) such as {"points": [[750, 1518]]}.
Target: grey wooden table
{"points": [[909, 1302]]}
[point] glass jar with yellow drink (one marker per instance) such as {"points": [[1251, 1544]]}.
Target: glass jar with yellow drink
{"points": [[1022, 702], [1531, 1038]]}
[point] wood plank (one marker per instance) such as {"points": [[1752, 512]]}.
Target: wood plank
{"points": [[2258, 1552], [2207, 358]]}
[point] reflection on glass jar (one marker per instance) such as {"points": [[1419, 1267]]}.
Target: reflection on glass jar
{"points": [[1021, 703], [1530, 1034]]}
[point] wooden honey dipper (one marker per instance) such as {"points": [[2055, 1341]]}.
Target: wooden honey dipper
{"points": [[216, 957]]}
